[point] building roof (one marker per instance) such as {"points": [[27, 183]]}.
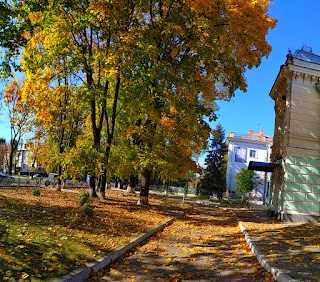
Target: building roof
{"points": [[306, 54], [253, 136]]}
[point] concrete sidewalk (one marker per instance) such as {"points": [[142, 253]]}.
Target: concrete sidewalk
{"points": [[205, 245], [291, 248]]}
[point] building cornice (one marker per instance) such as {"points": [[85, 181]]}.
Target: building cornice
{"points": [[305, 74], [294, 68], [249, 141], [310, 66], [274, 88]]}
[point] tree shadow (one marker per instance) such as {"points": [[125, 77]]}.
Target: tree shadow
{"points": [[39, 261], [119, 223]]}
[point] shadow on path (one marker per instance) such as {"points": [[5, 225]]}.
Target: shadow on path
{"points": [[205, 245]]}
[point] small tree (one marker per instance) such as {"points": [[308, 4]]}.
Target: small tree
{"points": [[214, 178], [19, 118], [246, 181]]}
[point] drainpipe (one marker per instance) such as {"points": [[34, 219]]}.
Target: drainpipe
{"points": [[265, 178], [265, 187]]}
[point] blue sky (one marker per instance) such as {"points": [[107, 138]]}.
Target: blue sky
{"points": [[298, 25]]}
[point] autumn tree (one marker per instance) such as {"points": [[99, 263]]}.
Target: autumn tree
{"points": [[58, 115], [7, 29], [163, 62], [187, 55], [12, 40], [214, 178], [88, 37], [18, 116]]}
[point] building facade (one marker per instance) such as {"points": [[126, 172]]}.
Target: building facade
{"points": [[22, 163], [254, 146], [296, 143]]}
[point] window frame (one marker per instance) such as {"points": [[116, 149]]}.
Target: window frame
{"points": [[240, 154], [255, 153]]}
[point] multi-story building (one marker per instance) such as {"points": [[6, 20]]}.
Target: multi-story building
{"points": [[254, 146], [296, 144]]}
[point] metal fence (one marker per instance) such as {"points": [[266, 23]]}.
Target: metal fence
{"points": [[26, 181]]}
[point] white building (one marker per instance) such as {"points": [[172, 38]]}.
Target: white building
{"points": [[22, 162], [245, 148]]}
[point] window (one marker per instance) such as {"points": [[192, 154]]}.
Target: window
{"points": [[240, 155], [253, 154]]}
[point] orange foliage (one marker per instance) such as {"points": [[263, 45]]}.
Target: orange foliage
{"points": [[174, 60]]}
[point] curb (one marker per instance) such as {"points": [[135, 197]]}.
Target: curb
{"points": [[82, 274], [265, 263]]}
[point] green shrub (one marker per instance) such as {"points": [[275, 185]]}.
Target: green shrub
{"points": [[84, 198], [87, 208], [242, 203], [85, 203], [225, 202], [36, 192]]}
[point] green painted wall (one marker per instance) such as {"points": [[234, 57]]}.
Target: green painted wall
{"points": [[301, 189]]}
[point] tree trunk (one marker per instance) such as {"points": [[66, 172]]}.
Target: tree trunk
{"points": [[103, 184], [98, 184], [14, 143], [92, 188], [11, 162], [96, 131], [59, 178], [146, 180], [131, 188]]}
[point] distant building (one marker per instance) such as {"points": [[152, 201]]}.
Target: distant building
{"points": [[254, 146], [296, 144], [22, 165]]}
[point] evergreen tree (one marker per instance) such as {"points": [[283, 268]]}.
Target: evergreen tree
{"points": [[214, 179]]}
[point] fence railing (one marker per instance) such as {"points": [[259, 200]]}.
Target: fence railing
{"points": [[25, 181]]}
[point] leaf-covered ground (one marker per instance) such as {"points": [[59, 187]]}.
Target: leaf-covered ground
{"points": [[47, 236], [205, 245], [292, 247]]}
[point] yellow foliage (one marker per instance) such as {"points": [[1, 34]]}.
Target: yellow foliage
{"points": [[170, 98], [35, 17]]}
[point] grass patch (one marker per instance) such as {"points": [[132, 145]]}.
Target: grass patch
{"points": [[48, 236]]}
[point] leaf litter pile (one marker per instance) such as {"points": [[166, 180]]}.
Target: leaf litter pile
{"points": [[48, 236]]}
